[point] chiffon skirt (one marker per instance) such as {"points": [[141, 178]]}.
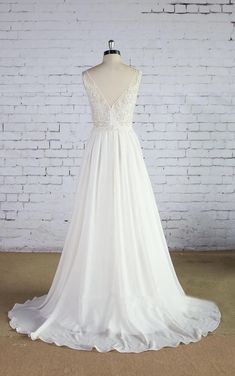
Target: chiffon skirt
{"points": [[115, 286]]}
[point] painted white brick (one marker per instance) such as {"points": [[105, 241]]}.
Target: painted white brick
{"points": [[180, 8], [184, 116], [204, 9], [11, 206], [169, 8], [34, 171], [58, 171], [10, 215], [192, 8], [23, 197]]}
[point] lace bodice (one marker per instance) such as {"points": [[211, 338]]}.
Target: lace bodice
{"points": [[120, 113]]}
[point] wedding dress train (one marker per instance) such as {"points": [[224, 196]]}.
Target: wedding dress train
{"points": [[115, 286]]}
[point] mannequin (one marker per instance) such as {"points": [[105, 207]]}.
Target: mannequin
{"points": [[112, 76]]}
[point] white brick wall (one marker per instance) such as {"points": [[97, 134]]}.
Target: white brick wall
{"points": [[184, 116]]}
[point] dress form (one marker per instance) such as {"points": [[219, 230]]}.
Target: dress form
{"points": [[112, 76]]}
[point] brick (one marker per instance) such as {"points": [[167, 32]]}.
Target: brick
{"points": [[180, 8], [192, 8], [34, 171]]}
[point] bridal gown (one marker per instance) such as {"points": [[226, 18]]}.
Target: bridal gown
{"points": [[115, 286]]}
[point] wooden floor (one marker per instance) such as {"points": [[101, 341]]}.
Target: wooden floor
{"points": [[209, 275]]}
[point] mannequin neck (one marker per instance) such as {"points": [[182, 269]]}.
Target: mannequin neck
{"points": [[112, 59]]}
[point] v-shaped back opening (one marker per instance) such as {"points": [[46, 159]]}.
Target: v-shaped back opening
{"points": [[132, 81]]}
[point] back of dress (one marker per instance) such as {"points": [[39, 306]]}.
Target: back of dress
{"points": [[117, 114], [115, 286]]}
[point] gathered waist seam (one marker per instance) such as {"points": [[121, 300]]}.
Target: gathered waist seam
{"points": [[111, 128]]}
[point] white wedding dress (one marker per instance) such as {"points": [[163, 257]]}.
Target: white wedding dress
{"points": [[115, 286]]}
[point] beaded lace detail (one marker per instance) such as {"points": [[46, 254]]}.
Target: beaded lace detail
{"points": [[115, 115]]}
